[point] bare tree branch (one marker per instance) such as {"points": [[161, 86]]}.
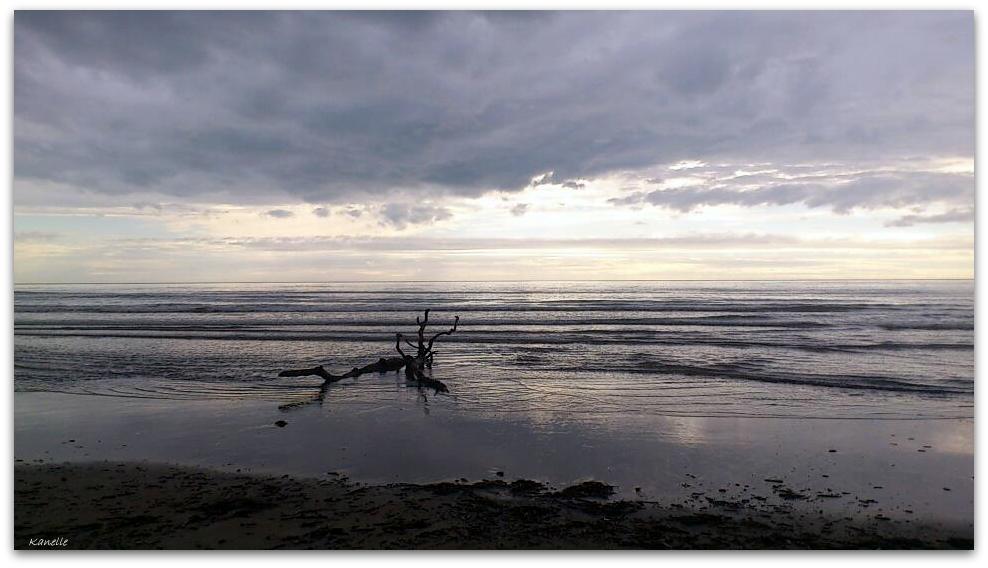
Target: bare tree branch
{"points": [[456, 321], [421, 346], [398, 346], [382, 365], [414, 366]]}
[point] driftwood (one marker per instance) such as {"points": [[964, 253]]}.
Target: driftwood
{"points": [[381, 366], [414, 366]]}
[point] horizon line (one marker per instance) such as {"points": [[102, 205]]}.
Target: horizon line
{"points": [[494, 280]]}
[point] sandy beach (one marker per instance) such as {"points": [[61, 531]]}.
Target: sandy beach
{"points": [[91, 469], [132, 506]]}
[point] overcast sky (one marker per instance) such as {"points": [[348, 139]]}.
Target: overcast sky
{"points": [[197, 146]]}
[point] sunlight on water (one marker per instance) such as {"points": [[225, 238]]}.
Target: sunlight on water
{"points": [[793, 349]]}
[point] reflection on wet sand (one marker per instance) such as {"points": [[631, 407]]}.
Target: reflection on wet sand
{"points": [[424, 439]]}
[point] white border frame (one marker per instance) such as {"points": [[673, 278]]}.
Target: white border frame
{"points": [[422, 559]]}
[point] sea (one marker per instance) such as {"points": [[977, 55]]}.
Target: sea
{"points": [[848, 398], [793, 349]]}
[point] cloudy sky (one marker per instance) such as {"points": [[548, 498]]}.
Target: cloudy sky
{"points": [[193, 146]]}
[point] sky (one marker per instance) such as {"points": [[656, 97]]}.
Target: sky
{"points": [[332, 146]]}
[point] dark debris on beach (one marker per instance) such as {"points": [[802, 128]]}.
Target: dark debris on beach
{"points": [[128, 506]]}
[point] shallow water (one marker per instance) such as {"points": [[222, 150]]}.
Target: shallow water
{"points": [[912, 470], [889, 349], [858, 391]]}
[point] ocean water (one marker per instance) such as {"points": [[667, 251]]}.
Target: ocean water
{"points": [[557, 351]]}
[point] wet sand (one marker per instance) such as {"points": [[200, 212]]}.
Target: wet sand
{"points": [[916, 470], [112, 505], [413, 473]]}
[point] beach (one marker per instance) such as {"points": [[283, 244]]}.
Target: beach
{"points": [[686, 415], [130, 506], [729, 482]]}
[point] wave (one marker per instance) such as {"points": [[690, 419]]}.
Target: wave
{"points": [[751, 371], [589, 306], [247, 323], [614, 337], [799, 350], [927, 326]]}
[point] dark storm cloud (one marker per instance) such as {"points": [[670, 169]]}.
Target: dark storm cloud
{"points": [[279, 213], [333, 107]]}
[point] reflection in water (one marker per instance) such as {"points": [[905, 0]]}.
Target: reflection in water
{"points": [[798, 349], [685, 430], [656, 385], [426, 439], [423, 400]]}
